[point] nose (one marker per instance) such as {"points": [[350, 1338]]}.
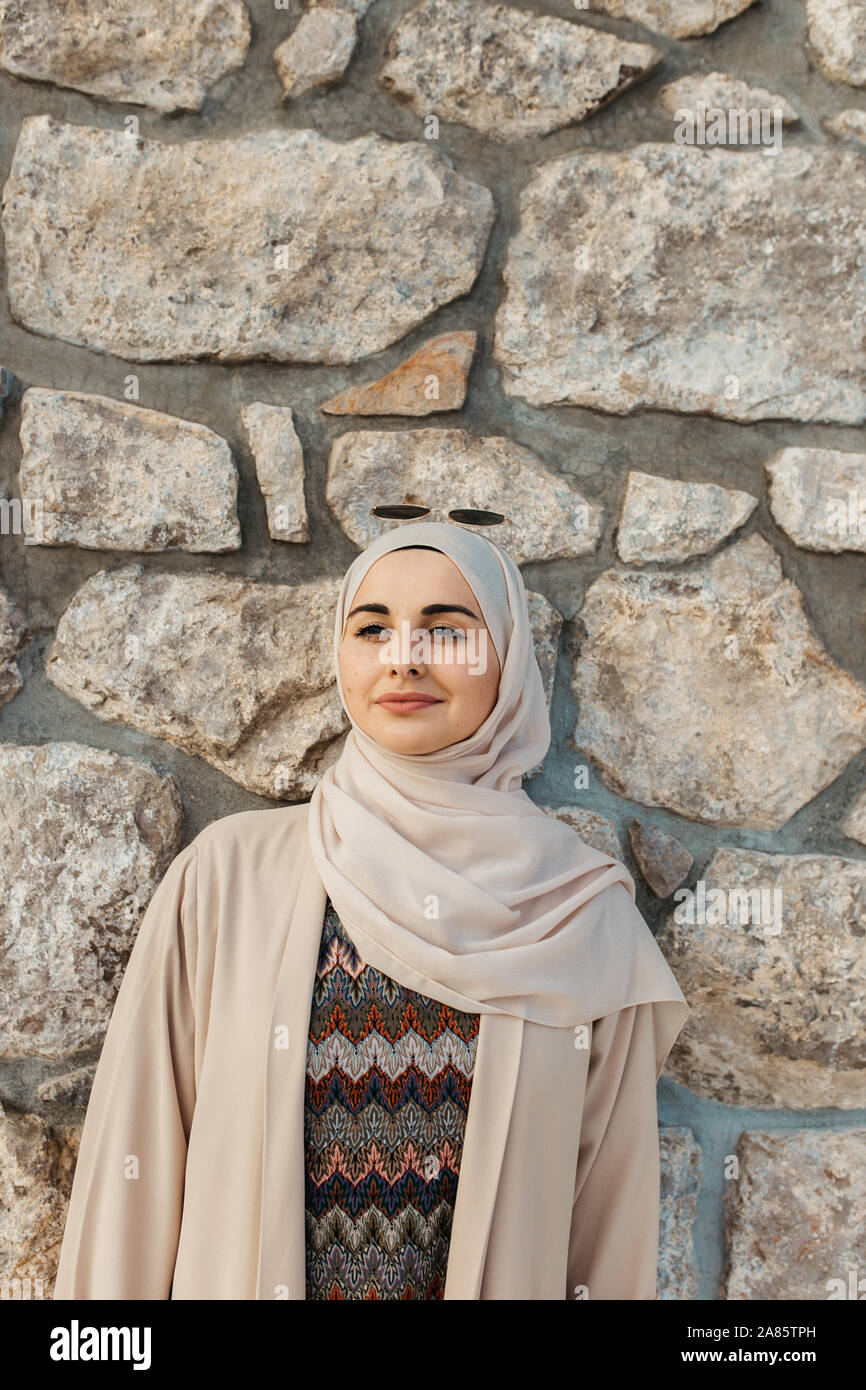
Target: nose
{"points": [[402, 653]]}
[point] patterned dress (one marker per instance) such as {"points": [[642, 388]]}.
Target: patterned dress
{"points": [[389, 1075]]}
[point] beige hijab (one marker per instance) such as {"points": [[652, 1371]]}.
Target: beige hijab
{"points": [[448, 877]]}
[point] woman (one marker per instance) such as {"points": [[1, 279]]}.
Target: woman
{"points": [[401, 1041]]}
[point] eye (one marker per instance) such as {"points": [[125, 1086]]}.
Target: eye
{"points": [[370, 630], [445, 627]]}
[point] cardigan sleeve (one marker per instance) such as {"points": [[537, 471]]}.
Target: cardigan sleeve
{"points": [[123, 1220], [613, 1242]]}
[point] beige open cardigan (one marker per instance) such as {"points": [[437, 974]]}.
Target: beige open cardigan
{"points": [[190, 1176]]}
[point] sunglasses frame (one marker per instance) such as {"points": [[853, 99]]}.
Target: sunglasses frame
{"points": [[453, 515]]}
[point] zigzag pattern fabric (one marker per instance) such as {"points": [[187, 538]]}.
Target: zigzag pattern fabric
{"points": [[389, 1077]]}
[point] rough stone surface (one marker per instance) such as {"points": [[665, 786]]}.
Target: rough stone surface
{"points": [[317, 52], [837, 33], [112, 475], [14, 636], [85, 837], [546, 624], [671, 276], [36, 1168], [666, 519], [681, 1165], [708, 692], [160, 53], [662, 860], [776, 985], [597, 830], [72, 1088], [509, 73], [848, 125], [818, 497], [229, 670], [679, 19], [445, 469], [279, 460], [854, 824], [796, 1216], [432, 379], [282, 244], [356, 7], [722, 91]]}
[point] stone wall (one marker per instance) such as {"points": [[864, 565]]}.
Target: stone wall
{"points": [[541, 263]]}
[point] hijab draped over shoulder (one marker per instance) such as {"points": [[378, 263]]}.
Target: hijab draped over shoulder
{"points": [[445, 873]]}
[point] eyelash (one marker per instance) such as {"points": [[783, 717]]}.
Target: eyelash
{"points": [[371, 627]]}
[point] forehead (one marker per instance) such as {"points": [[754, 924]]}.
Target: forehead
{"points": [[415, 576]]}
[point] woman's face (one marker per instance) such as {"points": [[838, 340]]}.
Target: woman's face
{"points": [[393, 644]]}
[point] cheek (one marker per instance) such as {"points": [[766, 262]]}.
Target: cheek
{"points": [[490, 682], [360, 667], [347, 671], [477, 694]]}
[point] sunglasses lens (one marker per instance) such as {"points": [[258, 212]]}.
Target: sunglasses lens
{"points": [[398, 511], [468, 517]]}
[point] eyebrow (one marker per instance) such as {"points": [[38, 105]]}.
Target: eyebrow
{"points": [[428, 611]]}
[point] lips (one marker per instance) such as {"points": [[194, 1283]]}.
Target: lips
{"points": [[404, 703]]}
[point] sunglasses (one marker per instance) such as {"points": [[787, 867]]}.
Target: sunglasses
{"points": [[463, 516]]}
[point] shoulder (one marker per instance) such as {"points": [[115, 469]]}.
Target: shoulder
{"points": [[253, 832]]}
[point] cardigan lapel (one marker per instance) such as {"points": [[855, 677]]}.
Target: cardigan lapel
{"points": [[494, 1084], [282, 1264]]}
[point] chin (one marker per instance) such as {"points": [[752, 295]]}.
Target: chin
{"points": [[409, 743], [408, 740]]}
